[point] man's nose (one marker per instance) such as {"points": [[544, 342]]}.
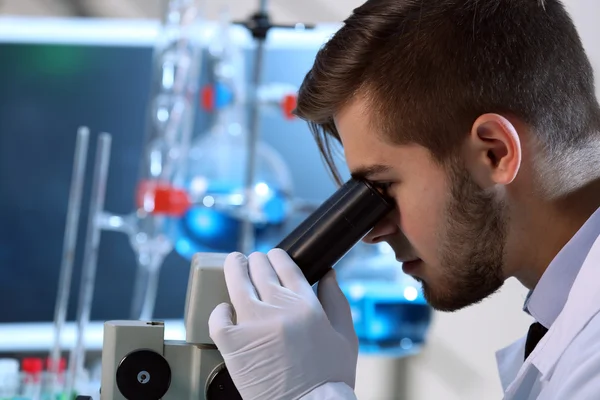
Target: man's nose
{"points": [[381, 230]]}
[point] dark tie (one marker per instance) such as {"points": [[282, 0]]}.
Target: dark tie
{"points": [[535, 334]]}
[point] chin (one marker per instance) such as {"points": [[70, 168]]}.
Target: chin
{"points": [[450, 301]]}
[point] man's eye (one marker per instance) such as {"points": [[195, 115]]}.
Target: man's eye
{"points": [[384, 186]]}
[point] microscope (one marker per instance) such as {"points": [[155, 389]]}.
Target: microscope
{"points": [[138, 364]]}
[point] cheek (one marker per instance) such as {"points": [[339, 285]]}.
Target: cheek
{"points": [[422, 217]]}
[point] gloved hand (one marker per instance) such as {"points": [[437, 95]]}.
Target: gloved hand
{"points": [[287, 341]]}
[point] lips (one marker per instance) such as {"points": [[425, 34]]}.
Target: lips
{"points": [[407, 260], [411, 266]]}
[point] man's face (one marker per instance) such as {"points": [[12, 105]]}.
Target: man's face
{"points": [[449, 233]]}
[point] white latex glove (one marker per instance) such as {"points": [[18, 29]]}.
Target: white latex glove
{"points": [[287, 341]]}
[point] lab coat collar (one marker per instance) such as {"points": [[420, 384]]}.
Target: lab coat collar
{"points": [[545, 302], [509, 361], [582, 305]]}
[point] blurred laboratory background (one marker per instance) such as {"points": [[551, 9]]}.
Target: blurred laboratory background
{"points": [[134, 143]]}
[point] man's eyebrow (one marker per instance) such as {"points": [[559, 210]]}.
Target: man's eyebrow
{"points": [[368, 172]]}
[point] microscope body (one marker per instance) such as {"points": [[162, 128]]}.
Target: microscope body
{"points": [[138, 363]]}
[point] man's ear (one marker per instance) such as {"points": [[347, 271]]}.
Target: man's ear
{"points": [[493, 151]]}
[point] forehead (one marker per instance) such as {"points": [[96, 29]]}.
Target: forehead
{"points": [[363, 145], [368, 152]]}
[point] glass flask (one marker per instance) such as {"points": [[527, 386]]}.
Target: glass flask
{"points": [[390, 314], [216, 187]]}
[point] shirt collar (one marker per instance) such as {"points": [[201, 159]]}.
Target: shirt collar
{"points": [[549, 296]]}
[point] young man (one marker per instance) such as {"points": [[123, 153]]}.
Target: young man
{"points": [[480, 119]]}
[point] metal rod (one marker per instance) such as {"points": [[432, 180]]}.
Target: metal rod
{"points": [[262, 6], [69, 248], [90, 258], [247, 240]]}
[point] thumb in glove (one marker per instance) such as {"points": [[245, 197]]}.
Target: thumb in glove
{"points": [[336, 307]]}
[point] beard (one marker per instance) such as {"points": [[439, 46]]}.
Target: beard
{"points": [[472, 246]]}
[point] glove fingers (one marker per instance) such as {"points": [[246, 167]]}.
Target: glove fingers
{"points": [[220, 323], [289, 273], [263, 276], [237, 278], [336, 306]]}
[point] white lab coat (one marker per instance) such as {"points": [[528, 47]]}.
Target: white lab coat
{"points": [[565, 364]]}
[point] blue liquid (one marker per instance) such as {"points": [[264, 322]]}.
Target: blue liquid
{"points": [[204, 229], [385, 319]]}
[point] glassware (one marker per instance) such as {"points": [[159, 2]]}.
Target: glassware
{"points": [[216, 187], [160, 196], [218, 164], [390, 314]]}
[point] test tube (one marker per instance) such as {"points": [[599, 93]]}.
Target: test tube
{"points": [[68, 257], [32, 378], [9, 378], [90, 258]]}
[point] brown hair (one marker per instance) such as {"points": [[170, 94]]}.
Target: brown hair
{"points": [[429, 68]]}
